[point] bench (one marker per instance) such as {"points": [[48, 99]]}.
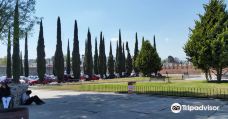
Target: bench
{"points": [[15, 113]]}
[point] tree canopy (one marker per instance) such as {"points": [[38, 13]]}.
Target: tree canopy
{"points": [[27, 18], [41, 62], [75, 54], [148, 60], [207, 44]]}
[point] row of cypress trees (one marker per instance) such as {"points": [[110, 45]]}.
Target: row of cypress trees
{"points": [[17, 63], [24, 67], [58, 63], [99, 65]]}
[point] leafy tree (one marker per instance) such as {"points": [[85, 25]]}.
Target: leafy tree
{"points": [[59, 60], [157, 62], [207, 44], [136, 51], [171, 59], [88, 60], [128, 61], [75, 54], [148, 60], [110, 62], [16, 46], [95, 68], [27, 16], [142, 40], [41, 62], [8, 68], [26, 64], [68, 59]]}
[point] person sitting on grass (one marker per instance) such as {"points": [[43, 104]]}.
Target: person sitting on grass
{"points": [[5, 95], [27, 100]]}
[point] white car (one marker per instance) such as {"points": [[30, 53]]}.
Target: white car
{"points": [[2, 78]]}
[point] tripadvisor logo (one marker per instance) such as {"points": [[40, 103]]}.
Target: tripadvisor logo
{"points": [[175, 107]]}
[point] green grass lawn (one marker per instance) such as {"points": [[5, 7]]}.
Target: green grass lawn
{"points": [[176, 87]]}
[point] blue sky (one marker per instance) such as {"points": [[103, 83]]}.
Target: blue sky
{"points": [[168, 20]]}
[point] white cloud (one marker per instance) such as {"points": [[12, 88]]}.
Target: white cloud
{"points": [[114, 39]]}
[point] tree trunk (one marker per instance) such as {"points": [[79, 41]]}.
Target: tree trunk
{"points": [[219, 74], [210, 75], [206, 75]]}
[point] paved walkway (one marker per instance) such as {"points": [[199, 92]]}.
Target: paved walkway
{"points": [[87, 105]]}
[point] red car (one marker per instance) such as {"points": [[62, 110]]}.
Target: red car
{"points": [[95, 77], [87, 78], [32, 82]]}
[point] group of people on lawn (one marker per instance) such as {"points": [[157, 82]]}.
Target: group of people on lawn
{"points": [[26, 99]]}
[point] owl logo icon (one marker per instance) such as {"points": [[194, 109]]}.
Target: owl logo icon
{"points": [[175, 107]]}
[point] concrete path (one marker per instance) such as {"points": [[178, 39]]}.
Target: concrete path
{"points": [[87, 105]]}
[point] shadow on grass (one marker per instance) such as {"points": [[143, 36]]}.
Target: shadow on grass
{"points": [[215, 81]]}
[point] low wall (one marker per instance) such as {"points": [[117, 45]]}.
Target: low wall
{"points": [[16, 91]]}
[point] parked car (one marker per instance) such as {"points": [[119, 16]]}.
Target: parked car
{"points": [[111, 76], [4, 79], [134, 75], [95, 77], [22, 81], [84, 77], [33, 82], [117, 75], [47, 80], [68, 78]]}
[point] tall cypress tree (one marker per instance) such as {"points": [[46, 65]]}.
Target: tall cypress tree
{"points": [[53, 69], [110, 62], [41, 62], [8, 68], [155, 43], [104, 58], [128, 61], [26, 64], [123, 58], [136, 70], [117, 58], [101, 56], [16, 46], [75, 54], [21, 65], [119, 61], [68, 59], [95, 68], [59, 59], [88, 60]]}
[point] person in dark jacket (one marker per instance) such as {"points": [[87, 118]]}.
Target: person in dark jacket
{"points": [[5, 95], [27, 100]]}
